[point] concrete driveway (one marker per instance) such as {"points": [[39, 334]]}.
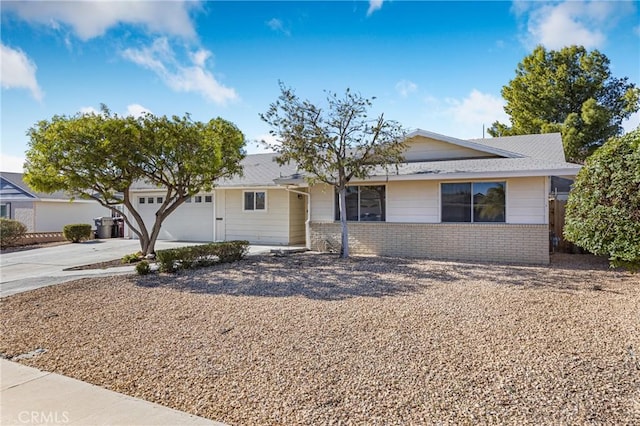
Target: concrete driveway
{"points": [[30, 269]]}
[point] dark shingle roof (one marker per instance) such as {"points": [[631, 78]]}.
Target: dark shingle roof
{"points": [[540, 155], [547, 146], [260, 170], [499, 167], [16, 179]]}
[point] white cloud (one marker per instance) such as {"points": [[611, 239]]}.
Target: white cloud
{"points": [[256, 146], [161, 59], [581, 22], [89, 110], [406, 87], [17, 71], [374, 5], [137, 110], [11, 163], [89, 19], [276, 25], [199, 57], [134, 110], [474, 111]]}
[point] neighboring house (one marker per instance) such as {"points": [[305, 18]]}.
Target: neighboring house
{"points": [[42, 212], [484, 199]]}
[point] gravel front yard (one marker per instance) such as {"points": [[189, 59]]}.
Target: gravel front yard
{"points": [[312, 339]]}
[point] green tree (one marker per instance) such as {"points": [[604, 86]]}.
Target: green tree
{"points": [[570, 91], [333, 145], [603, 210], [100, 156]]}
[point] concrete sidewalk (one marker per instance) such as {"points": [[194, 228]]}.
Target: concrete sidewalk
{"points": [[29, 396]]}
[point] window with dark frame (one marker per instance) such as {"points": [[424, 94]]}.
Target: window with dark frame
{"points": [[255, 200], [365, 203], [159, 200], [141, 200], [198, 198], [150, 200], [473, 202], [208, 198]]}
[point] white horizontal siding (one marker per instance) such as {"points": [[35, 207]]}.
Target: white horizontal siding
{"points": [[260, 227], [425, 149], [527, 200], [412, 201], [322, 201], [418, 201]]}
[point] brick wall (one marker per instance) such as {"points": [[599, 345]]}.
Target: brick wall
{"points": [[485, 242]]}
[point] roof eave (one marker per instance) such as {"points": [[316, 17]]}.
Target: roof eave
{"points": [[478, 175], [299, 182]]}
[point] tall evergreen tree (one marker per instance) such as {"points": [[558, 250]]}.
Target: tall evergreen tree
{"points": [[570, 91]]}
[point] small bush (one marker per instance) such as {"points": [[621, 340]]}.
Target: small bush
{"points": [[77, 232], [11, 231], [202, 255], [132, 258], [143, 268]]}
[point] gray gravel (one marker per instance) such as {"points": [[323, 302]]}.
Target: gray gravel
{"points": [[312, 339]]}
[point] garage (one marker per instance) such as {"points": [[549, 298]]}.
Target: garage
{"points": [[193, 221]]}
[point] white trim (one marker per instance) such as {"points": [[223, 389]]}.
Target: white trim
{"points": [[213, 217], [57, 200], [545, 196]]}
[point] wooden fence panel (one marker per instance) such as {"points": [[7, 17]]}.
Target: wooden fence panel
{"points": [[556, 226]]}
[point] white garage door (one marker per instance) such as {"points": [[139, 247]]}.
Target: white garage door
{"points": [[192, 221]]}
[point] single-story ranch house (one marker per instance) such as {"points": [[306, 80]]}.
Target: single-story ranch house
{"points": [[481, 199], [42, 212]]}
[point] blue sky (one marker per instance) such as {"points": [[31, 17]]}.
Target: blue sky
{"points": [[438, 66]]}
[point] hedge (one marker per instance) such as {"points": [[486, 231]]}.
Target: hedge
{"points": [[77, 232], [11, 231], [201, 255]]}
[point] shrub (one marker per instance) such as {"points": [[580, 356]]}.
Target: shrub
{"points": [[11, 231], [143, 268], [603, 210], [132, 258], [77, 232], [201, 255]]}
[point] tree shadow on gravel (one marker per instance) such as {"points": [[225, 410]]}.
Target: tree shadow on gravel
{"points": [[565, 277], [328, 277], [314, 276]]}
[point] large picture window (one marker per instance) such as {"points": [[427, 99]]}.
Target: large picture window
{"points": [[255, 200], [473, 202], [364, 203]]}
